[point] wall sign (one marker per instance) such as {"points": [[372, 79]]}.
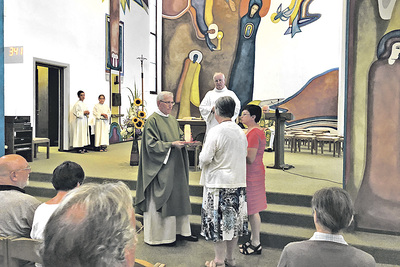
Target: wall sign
{"points": [[13, 54]]}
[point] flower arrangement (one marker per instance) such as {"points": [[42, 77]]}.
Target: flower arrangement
{"points": [[136, 115]]}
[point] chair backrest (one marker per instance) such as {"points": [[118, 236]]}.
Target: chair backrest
{"points": [[3, 251], [22, 250]]}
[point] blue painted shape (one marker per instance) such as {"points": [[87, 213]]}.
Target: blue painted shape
{"points": [[241, 79]]}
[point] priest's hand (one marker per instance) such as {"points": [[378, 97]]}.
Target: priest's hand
{"points": [[178, 144]]}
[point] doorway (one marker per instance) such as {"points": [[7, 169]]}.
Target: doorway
{"points": [[48, 89]]}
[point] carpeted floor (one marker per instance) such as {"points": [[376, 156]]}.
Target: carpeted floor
{"points": [[311, 172]]}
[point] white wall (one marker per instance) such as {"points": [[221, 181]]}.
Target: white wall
{"points": [[72, 33], [288, 63]]}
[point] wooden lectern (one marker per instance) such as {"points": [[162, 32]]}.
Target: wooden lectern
{"points": [[279, 142]]}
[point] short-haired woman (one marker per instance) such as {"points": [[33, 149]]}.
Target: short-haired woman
{"points": [[223, 164], [255, 177]]}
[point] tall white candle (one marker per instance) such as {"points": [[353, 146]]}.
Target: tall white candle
{"points": [[188, 133]]}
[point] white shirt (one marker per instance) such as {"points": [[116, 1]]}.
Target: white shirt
{"points": [[223, 157], [42, 216], [208, 103], [328, 237]]}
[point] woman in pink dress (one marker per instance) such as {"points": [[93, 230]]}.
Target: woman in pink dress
{"points": [[255, 177]]}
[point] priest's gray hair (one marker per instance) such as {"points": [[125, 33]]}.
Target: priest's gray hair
{"points": [[225, 107], [91, 227], [333, 207], [163, 94], [218, 73]]}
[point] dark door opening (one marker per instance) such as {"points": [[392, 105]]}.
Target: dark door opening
{"points": [[48, 88]]}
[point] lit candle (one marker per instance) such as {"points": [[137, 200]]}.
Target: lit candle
{"points": [[188, 133]]}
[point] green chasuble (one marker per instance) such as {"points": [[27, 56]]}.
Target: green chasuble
{"points": [[168, 183]]}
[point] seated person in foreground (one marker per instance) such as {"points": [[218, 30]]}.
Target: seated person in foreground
{"points": [[66, 177], [332, 211], [94, 225], [16, 207]]}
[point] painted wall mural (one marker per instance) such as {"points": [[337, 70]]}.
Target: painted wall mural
{"points": [[298, 15], [225, 37], [316, 104], [373, 114], [242, 72]]}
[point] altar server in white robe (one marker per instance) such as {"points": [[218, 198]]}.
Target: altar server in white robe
{"points": [[101, 113], [80, 125]]}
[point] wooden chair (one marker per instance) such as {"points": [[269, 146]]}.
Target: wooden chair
{"points": [[40, 141], [304, 139], [3, 251], [323, 139], [23, 249], [289, 141]]}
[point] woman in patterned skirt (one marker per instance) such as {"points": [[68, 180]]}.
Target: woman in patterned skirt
{"points": [[223, 164], [255, 177]]}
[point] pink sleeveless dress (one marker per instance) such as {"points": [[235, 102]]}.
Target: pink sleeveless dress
{"points": [[255, 175]]}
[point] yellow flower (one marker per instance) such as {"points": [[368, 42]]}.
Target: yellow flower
{"points": [[139, 124], [142, 114], [138, 102], [135, 120]]}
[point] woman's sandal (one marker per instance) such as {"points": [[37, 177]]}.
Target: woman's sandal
{"points": [[214, 264], [244, 249], [230, 262]]}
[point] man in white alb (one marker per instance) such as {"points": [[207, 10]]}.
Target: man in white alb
{"points": [[80, 126], [207, 104], [101, 113]]}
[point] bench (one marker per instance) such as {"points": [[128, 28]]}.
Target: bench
{"points": [[40, 141]]}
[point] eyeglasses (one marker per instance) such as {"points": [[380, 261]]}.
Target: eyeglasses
{"points": [[168, 102], [25, 169]]}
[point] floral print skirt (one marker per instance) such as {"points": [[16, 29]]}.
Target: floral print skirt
{"points": [[224, 213]]}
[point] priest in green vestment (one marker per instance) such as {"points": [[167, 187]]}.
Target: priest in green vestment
{"points": [[162, 191]]}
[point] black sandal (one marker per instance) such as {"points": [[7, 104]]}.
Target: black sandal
{"points": [[255, 250]]}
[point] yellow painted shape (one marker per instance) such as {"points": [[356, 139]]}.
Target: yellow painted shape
{"points": [[195, 91], [296, 4], [273, 18], [184, 107], [220, 35], [254, 102], [395, 20], [208, 15]]}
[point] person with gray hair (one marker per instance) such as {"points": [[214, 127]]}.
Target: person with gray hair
{"points": [[93, 226], [207, 104], [332, 211], [162, 192], [223, 164]]}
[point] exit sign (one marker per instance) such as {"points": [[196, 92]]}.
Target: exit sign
{"points": [[13, 54]]}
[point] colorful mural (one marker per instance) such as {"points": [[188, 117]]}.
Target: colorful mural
{"points": [[225, 34], [298, 15], [316, 104], [242, 72], [373, 114]]}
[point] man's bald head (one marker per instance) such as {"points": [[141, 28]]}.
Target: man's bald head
{"points": [[265, 109], [14, 170]]}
